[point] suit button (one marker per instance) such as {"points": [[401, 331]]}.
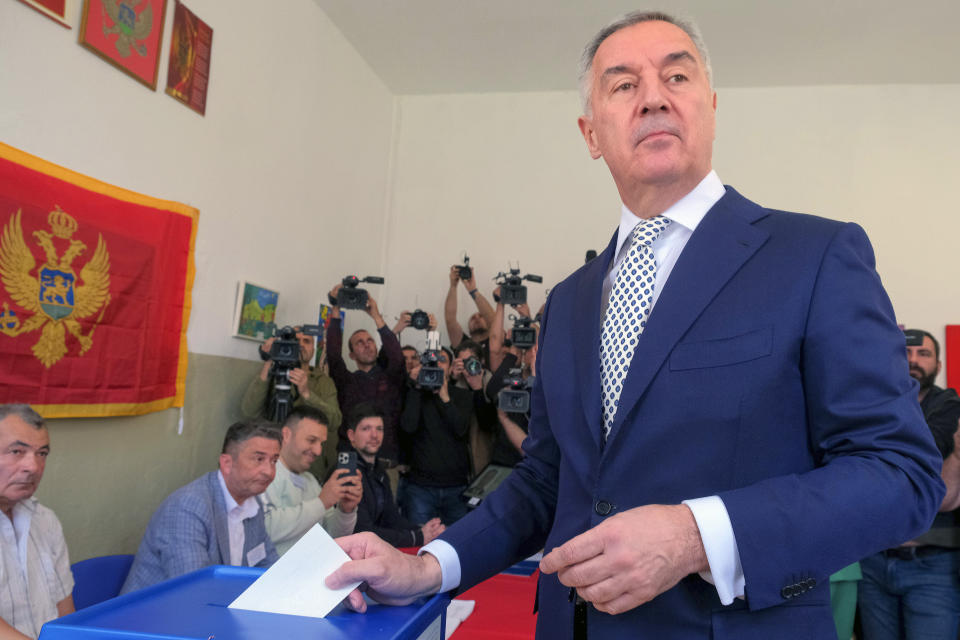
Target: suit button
{"points": [[811, 583], [789, 591], [603, 507]]}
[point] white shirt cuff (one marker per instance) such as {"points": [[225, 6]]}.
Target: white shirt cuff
{"points": [[449, 561], [720, 545]]}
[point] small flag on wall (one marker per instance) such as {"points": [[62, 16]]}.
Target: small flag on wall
{"points": [[95, 285]]}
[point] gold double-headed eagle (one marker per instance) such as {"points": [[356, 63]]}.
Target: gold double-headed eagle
{"points": [[52, 293]]}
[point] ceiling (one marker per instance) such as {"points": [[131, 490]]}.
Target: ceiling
{"points": [[465, 46]]}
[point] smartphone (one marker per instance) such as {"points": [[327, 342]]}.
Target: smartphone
{"points": [[346, 464]]}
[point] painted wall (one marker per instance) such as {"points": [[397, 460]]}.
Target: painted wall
{"points": [[508, 177], [290, 160]]}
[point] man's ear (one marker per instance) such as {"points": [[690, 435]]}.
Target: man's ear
{"points": [[226, 464], [589, 136], [287, 433]]}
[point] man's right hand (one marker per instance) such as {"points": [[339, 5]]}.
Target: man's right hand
{"points": [[432, 529], [265, 348], [454, 276], [391, 576], [335, 292], [335, 489]]}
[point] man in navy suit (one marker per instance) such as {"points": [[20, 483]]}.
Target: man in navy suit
{"points": [[698, 470]]}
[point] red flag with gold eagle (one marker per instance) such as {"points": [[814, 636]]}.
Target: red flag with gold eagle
{"points": [[95, 286]]}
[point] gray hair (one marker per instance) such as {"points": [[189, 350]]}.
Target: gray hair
{"points": [[240, 432], [586, 59], [24, 412]]}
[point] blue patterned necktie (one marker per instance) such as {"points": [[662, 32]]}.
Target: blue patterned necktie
{"points": [[627, 311]]}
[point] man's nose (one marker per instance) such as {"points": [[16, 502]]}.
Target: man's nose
{"points": [[652, 98], [31, 464]]}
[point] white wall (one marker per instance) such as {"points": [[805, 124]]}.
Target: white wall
{"points": [[507, 176], [291, 159]]}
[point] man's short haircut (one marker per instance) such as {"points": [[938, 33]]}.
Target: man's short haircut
{"points": [[409, 347], [361, 412], [350, 339], [240, 432], [936, 345], [630, 19], [449, 352], [305, 412], [23, 411], [469, 344]]}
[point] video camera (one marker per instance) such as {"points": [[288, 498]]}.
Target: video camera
{"points": [[512, 292], [524, 335], [465, 271], [350, 297], [514, 397], [285, 354], [431, 375]]}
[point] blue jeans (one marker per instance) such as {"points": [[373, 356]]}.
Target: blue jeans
{"points": [[423, 503], [915, 599]]}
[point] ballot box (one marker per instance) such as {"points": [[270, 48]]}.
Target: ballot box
{"points": [[194, 607]]}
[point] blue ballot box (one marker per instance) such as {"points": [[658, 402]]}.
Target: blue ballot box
{"points": [[194, 607]]}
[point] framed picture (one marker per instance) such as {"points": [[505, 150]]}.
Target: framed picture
{"points": [[127, 34], [189, 71], [56, 10], [255, 315]]}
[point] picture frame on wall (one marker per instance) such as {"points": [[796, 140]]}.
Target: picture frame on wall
{"points": [[127, 34], [59, 11], [255, 311]]}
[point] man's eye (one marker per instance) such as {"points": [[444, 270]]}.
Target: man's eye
{"points": [[624, 86], [677, 77], [43, 454]]}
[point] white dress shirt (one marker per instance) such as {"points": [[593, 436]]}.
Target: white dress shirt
{"points": [[711, 515], [34, 567], [236, 514]]}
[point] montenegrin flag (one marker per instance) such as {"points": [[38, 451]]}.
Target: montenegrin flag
{"points": [[95, 286]]}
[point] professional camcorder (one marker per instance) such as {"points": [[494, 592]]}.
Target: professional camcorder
{"points": [[350, 297], [524, 335], [515, 395], [431, 375], [285, 354], [512, 292]]}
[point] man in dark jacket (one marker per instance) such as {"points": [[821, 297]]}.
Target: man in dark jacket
{"points": [[377, 511]]}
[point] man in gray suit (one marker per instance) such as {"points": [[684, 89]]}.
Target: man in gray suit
{"points": [[217, 518]]}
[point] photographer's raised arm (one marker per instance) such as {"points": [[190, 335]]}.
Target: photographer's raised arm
{"points": [[454, 330], [497, 335]]}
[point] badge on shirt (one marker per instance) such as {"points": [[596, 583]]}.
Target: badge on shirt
{"points": [[256, 554]]}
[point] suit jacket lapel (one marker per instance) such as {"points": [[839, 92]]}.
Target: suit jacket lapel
{"points": [[587, 337], [723, 241], [220, 520]]}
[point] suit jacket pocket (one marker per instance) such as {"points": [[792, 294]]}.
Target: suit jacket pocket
{"points": [[721, 352]]}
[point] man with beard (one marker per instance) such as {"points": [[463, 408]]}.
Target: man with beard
{"points": [[913, 591], [379, 378]]}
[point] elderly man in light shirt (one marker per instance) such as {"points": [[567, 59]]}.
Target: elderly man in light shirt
{"points": [[35, 579], [295, 500], [217, 518]]}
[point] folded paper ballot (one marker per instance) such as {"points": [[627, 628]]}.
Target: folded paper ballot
{"points": [[294, 585]]}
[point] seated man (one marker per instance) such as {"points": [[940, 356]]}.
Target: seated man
{"points": [[295, 501], [378, 511], [35, 579], [216, 519]]}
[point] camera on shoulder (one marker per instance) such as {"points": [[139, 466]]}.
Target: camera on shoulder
{"points": [[512, 289]]}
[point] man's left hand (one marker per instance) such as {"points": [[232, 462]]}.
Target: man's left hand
{"points": [[631, 557], [298, 377]]}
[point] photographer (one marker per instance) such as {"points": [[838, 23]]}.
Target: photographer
{"points": [[468, 373], [438, 421], [309, 386], [378, 379], [479, 323]]}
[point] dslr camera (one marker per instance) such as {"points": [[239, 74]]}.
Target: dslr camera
{"points": [[350, 296], [465, 271], [512, 290], [514, 397], [473, 366], [524, 335], [419, 319], [431, 375]]}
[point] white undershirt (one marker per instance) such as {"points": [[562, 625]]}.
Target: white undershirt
{"points": [[236, 514]]}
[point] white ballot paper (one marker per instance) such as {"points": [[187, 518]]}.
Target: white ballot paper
{"points": [[294, 585]]}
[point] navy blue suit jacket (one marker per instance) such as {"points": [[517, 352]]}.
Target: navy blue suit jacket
{"points": [[771, 373]]}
